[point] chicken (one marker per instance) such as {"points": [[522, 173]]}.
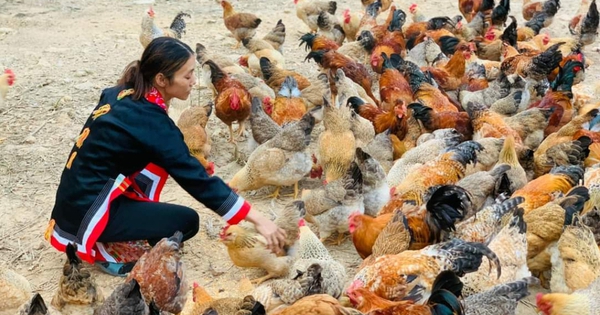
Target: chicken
{"points": [[342, 88], [228, 65], [539, 191], [516, 177], [330, 208], [263, 127], [330, 27], [586, 28], [444, 299], [239, 306], [192, 124], [389, 43], [362, 129], [333, 60], [275, 77], [259, 49], [487, 123], [376, 191], [365, 230], [318, 304], [77, 288], [241, 25], [7, 79], [14, 288], [126, 299], [584, 301], [544, 227], [417, 14], [575, 259], [350, 25], [281, 161], [393, 120], [248, 249], [482, 185], [288, 220], [36, 306], [380, 148], [276, 37], [308, 11], [469, 8], [419, 155], [150, 31], [448, 168], [496, 90], [232, 102], [337, 143], [392, 84], [533, 67], [284, 292], [510, 244], [161, 274], [561, 147], [432, 120], [530, 125], [410, 274], [311, 254], [288, 105], [499, 300]]}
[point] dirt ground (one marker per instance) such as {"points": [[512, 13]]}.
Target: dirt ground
{"points": [[65, 51]]}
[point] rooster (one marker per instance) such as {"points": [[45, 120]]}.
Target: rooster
{"points": [[233, 102], [150, 31]]}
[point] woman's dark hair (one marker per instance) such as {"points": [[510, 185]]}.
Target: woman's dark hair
{"points": [[164, 55]]}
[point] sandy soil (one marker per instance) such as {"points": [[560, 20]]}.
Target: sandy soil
{"points": [[64, 52]]}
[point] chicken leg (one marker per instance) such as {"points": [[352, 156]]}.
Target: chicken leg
{"points": [[237, 45], [260, 280], [231, 136], [241, 128], [275, 194], [296, 192]]}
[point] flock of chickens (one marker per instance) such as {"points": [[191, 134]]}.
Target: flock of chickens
{"points": [[473, 175]]}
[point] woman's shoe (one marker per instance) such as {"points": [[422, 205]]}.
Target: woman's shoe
{"points": [[116, 269]]}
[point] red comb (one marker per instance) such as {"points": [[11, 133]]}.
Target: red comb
{"points": [[301, 222], [196, 285]]}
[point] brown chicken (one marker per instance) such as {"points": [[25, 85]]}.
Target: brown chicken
{"points": [[392, 85], [150, 31], [161, 274], [288, 106], [414, 30], [192, 124], [308, 11], [536, 67], [561, 147], [394, 120], [76, 286], [316, 42], [365, 230], [233, 102], [276, 37], [434, 121], [357, 72], [444, 296], [274, 77], [410, 274], [470, 8], [451, 75], [487, 123], [126, 299], [241, 25], [391, 43], [248, 249], [586, 27], [447, 169], [540, 191]]}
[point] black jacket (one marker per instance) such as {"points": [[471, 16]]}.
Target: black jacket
{"points": [[124, 140]]}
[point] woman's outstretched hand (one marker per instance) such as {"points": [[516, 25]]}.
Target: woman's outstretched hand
{"points": [[274, 235]]}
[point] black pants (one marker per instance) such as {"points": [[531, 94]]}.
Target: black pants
{"points": [[132, 220]]}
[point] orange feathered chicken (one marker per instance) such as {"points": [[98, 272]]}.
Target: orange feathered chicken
{"points": [[355, 71], [161, 275], [288, 105], [394, 120], [233, 102], [433, 121], [392, 84], [316, 42], [241, 25]]}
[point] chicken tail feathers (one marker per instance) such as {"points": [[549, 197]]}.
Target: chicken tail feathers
{"points": [[518, 221], [573, 172], [516, 290], [265, 68], [467, 257], [216, 73], [398, 19], [423, 114], [178, 25], [317, 56], [537, 22], [507, 205], [447, 205], [510, 33], [37, 305], [332, 7], [466, 152], [448, 44], [367, 40], [589, 25], [574, 202], [72, 255], [307, 39], [548, 60], [446, 288]]}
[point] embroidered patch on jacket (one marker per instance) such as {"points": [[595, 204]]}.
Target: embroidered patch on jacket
{"points": [[100, 111], [71, 158], [84, 134], [125, 93], [49, 230]]}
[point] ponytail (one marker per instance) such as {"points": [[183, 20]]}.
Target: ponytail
{"points": [[163, 55]]}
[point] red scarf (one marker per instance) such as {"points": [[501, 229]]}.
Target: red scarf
{"points": [[153, 96]]}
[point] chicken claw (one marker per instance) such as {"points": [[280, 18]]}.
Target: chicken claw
{"points": [[295, 193], [236, 46], [231, 136], [260, 280], [275, 194]]}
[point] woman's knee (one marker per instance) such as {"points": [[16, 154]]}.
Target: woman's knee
{"points": [[190, 224]]}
